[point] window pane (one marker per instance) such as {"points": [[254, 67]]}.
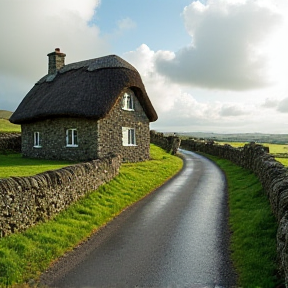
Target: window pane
{"points": [[127, 101], [75, 142], [133, 136], [128, 136], [36, 139], [69, 137], [125, 136], [124, 101]]}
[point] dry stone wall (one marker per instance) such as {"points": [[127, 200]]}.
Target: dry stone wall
{"points": [[272, 175], [169, 143], [10, 141], [24, 201]]}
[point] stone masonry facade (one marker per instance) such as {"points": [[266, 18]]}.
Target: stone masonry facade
{"points": [[53, 139], [96, 139], [110, 132]]}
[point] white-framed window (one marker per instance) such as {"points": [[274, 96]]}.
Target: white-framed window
{"points": [[128, 136], [71, 137], [37, 139], [128, 101]]}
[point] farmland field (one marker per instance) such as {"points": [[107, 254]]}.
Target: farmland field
{"points": [[280, 151], [6, 126]]}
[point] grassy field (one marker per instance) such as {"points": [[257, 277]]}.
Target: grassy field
{"points": [[25, 255], [6, 126], [253, 237], [280, 151], [4, 114], [16, 165]]}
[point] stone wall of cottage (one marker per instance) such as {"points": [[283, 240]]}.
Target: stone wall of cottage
{"points": [[10, 141], [110, 132], [53, 139], [24, 201], [96, 139], [272, 175]]}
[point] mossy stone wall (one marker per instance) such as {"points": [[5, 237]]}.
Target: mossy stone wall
{"points": [[24, 201]]}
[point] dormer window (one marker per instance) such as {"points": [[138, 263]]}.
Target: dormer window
{"points": [[127, 101]]}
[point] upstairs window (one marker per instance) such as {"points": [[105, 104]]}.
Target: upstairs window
{"points": [[127, 101], [128, 136], [37, 139], [71, 138]]}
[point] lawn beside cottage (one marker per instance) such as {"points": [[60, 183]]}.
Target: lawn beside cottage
{"points": [[14, 164], [24, 256]]}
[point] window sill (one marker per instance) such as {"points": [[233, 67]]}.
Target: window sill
{"points": [[129, 145], [128, 109], [37, 146], [72, 146]]}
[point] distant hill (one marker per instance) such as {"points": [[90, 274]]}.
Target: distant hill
{"points": [[238, 137], [5, 125], [4, 114]]}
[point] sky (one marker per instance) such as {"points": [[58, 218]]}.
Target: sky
{"points": [[207, 65]]}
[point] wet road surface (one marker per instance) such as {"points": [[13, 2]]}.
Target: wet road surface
{"points": [[176, 237]]}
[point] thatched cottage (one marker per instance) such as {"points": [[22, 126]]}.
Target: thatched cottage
{"points": [[86, 110]]}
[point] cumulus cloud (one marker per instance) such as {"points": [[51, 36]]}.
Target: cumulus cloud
{"points": [[126, 24], [225, 51], [31, 29], [233, 110], [270, 103], [283, 105], [179, 110]]}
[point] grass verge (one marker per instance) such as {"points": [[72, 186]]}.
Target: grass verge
{"points": [[253, 226], [15, 165], [25, 255]]}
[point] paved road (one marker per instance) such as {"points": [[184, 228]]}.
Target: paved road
{"points": [[176, 237]]}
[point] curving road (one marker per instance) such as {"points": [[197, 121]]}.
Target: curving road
{"points": [[177, 236]]}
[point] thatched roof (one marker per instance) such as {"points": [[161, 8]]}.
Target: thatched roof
{"points": [[84, 89]]}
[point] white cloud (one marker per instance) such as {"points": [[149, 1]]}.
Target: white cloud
{"points": [[270, 103], [179, 110], [283, 105], [226, 50], [31, 29], [126, 24], [233, 110]]}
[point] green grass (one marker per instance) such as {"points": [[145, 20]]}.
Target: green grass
{"points": [[25, 255], [253, 226], [6, 126], [16, 165], [284, 161], [280, 151]]}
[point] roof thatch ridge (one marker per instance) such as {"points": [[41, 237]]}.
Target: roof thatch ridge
{"points": [[110, 61]]}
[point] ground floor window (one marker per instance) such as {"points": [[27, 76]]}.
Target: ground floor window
{"points": [[128, 136], [37, 139], [71, 138]]}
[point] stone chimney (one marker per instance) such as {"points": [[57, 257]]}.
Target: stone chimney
{"points": [[56, 60]]}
